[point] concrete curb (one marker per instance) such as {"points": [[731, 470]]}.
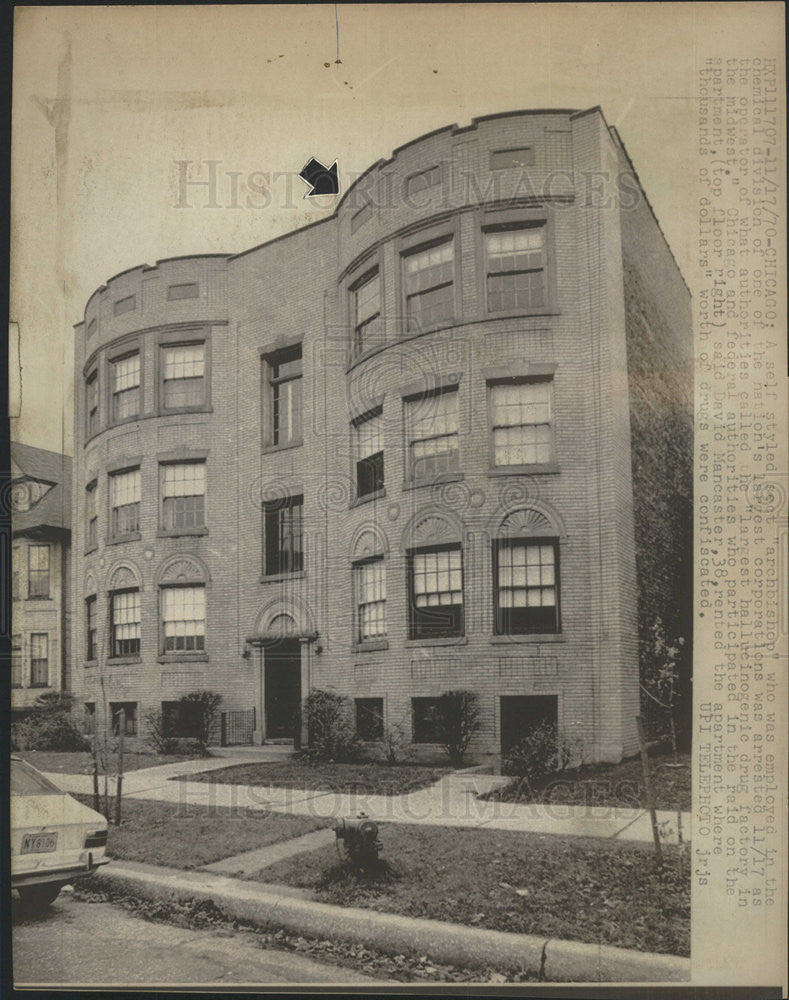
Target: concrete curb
{"points": [[452, 944]]}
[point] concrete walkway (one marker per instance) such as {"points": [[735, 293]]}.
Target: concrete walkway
{"points": [[265, 857], [452, 801]]}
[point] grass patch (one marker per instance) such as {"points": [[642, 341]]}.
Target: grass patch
{"points": [[187, 836], [369, 779], [619, 785], [575, 888], [81, 762]]}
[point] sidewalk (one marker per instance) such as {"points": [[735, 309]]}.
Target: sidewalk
{"points": [[451, 801]]}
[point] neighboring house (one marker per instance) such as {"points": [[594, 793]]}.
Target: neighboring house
{"points": [[440, 439], [41, 573]]}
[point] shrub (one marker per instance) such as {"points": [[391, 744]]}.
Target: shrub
{"points": [[330, 727], [395, 745], [540, 754], [457, 719], [201, 708], [47, 729], [159, 736]]}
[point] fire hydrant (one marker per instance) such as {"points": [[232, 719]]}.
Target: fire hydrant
{"points": [[360, 840]]}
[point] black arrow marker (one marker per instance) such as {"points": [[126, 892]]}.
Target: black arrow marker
{"points": [[322, 180]]}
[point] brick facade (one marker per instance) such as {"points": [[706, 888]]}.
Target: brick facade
{"points": [[613, 313]]}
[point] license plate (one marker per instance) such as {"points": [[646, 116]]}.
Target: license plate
{"points": [[39, 843]]}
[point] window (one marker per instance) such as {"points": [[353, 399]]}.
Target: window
{"points": [[183, 496], [39, 659], [370, 718], [425, 720], [371, 600], [520, 418], [282, 530], [369, 454], [91, 516], [126, 387], [429, 288], [90, 628], [436, 592], [527, 591], [125, 489], [92, 404], [181, 719], [129, 710], [183, 619], [284, 386], [515, 268], [432, 429], [125, 622], [183, 376], [16, 661], [366, 312], [508, 159], [38, 571]]}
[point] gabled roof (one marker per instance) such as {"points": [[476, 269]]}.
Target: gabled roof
{"points": [[53, 510]]}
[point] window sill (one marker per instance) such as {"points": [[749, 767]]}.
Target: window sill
{"points": [[518, 313], [267, 449], [179, 532], [528, 638], [376, 495], [124, 421], [40, 687], [42, 597], [132, 536], [456, 640], [370, 645], [278, 577], [538, 468], [93, 548], [120, 661], [448, 477], [174, 411], [197, 657], [91, 664]]}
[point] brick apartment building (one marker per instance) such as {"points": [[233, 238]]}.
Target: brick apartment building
{"points": [[41, 574], [440, 439]]}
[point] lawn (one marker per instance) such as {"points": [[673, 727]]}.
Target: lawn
{"points": [[81, 762], [574, 888], [370, 779], [180, 836], [610, 785]]}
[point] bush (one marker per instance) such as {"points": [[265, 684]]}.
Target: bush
{"points": [[47, 729], [457, 719], [330, 727], [159, 735], [201, 708], [540, 754], [395, 745]]}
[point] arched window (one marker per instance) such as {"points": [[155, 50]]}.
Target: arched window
{"points": [[182, 607], [368, 553], [526, 575], [435, 578]]}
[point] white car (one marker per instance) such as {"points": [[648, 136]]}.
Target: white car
{"points": [[54, 838]]}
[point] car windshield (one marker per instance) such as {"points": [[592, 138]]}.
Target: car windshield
{"points": [[26, 780]]}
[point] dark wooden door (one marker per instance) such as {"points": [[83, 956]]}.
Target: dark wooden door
{"points": [[283, 689], [520, 713]]}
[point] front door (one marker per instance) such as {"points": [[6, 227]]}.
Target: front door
{"points": [[520, 713], [283, 689]]}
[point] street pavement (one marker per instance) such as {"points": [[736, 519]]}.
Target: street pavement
{"points": [[80, 943]]}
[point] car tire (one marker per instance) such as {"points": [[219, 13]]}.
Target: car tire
{"points": [[38, 897]]}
